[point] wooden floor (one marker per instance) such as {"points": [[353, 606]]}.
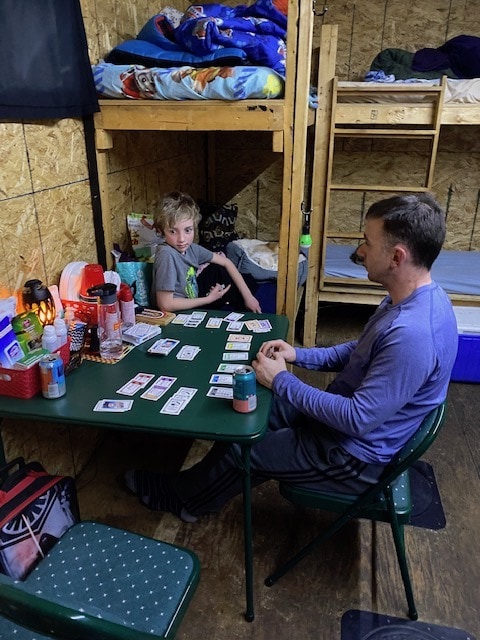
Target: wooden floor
{"points": [[357, 569]]}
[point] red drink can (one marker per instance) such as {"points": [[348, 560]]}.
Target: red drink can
{"points": [[244, 389], [52, 376]]}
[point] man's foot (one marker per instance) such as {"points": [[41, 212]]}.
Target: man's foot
{"points": [[155, 491]]}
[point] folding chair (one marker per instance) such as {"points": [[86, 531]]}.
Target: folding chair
{"points": [[99, 582], [389, 500]]}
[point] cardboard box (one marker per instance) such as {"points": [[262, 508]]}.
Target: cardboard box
{"points": [[467, 364]]}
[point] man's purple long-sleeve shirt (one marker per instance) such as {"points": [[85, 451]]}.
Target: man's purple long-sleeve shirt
{"points": [[388, 380]]}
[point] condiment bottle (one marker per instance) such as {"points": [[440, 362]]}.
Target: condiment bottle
{"points": [[127, 305], [49, 338]]}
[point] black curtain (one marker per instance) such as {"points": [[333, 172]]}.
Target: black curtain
{"points": [[46, 71]]}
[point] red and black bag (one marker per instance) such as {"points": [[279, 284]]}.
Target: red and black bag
{"points": [[35, 511]]}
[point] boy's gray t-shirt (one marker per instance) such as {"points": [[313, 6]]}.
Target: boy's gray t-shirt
{"points": [[177, 272]]}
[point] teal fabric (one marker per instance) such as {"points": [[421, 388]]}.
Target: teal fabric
{"points": [[115, 575]]}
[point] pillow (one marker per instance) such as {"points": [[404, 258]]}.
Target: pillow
{"points": [[217, 226]]}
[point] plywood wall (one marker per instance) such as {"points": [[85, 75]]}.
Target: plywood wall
{"points": [[46, 216]]}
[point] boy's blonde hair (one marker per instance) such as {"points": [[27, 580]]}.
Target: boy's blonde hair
{"points": [[176, 207]]}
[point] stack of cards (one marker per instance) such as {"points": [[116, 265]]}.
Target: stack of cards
{"points": [[190, 320], [177, 403], [140, 332], [188, 352], [259, 326], [140, 381], [114, 406], [163, 346]]}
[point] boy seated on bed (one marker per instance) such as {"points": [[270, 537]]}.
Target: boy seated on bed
{"points": [[177, 283]]}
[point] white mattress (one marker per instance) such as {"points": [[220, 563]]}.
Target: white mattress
{"points": [[455, 271], [456, 92]]}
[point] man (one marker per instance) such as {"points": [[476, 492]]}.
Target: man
{"points": [[388, 380]]}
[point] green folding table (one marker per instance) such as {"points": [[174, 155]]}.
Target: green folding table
{"points": [[203, 418]]}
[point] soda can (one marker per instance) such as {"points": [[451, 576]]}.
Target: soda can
{"points": [[244, 389], [52, 376]]}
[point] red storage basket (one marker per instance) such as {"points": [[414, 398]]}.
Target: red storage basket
{"points": [[26, 383]]}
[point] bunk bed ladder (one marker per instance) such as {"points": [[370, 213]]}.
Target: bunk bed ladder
{"points": [[362, 120]]}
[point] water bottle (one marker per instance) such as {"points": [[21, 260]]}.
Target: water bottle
{"points": [[109, 321], [49, 338]]}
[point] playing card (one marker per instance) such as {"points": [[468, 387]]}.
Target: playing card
{"points": [[163, 346], [235, 326], [180, 318], [158, 388], [221, 378], [140, 381], [235, 355], [227, 367], [220, 392], [114, 406], [237, 346], [214, 323], [188, 352], [239, 337], [233, 317]]}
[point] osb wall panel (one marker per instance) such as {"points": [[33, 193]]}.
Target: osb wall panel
{"points": [[366, 28]]}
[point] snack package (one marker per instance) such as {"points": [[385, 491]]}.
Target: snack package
{"points": [[143, 236], [28, 330]]}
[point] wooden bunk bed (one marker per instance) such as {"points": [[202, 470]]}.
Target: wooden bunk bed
{"points": [[286, 119], [365, 110]]}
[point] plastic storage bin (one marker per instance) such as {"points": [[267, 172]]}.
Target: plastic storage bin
{"points": [[467, 364]]}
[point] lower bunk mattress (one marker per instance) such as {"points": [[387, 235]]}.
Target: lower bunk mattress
{"points": [[186, 83], [458, 272]]}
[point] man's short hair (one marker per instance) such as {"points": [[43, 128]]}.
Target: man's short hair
{"points": [[176, 207], [415, 220]]}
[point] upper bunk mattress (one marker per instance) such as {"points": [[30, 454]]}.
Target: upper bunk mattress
{"points": [[456, 92], [187, 83]]}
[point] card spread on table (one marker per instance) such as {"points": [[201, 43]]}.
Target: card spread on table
{"points": [[221, 378], [177, 403], [158, 388], [114, 406], [235, 355], [140, 381], [163, 346], [220, 392], [188, 352]]}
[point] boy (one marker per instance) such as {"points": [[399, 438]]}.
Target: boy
{"points": [[177, 259]]}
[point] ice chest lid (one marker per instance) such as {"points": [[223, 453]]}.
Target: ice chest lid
{"points": [[468, 319]]}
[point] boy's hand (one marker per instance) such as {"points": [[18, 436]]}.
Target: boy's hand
{"points": [[217, 292], [252, 304]]}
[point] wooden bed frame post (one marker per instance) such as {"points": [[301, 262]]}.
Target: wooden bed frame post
{"points": [[299, 38], [323, 119], [103, 143]]}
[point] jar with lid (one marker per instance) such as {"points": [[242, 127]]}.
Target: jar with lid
{"points": [[109, 321]]}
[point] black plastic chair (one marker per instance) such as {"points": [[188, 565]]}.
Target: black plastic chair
{"points": [[101, 583], [389, 500]]}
